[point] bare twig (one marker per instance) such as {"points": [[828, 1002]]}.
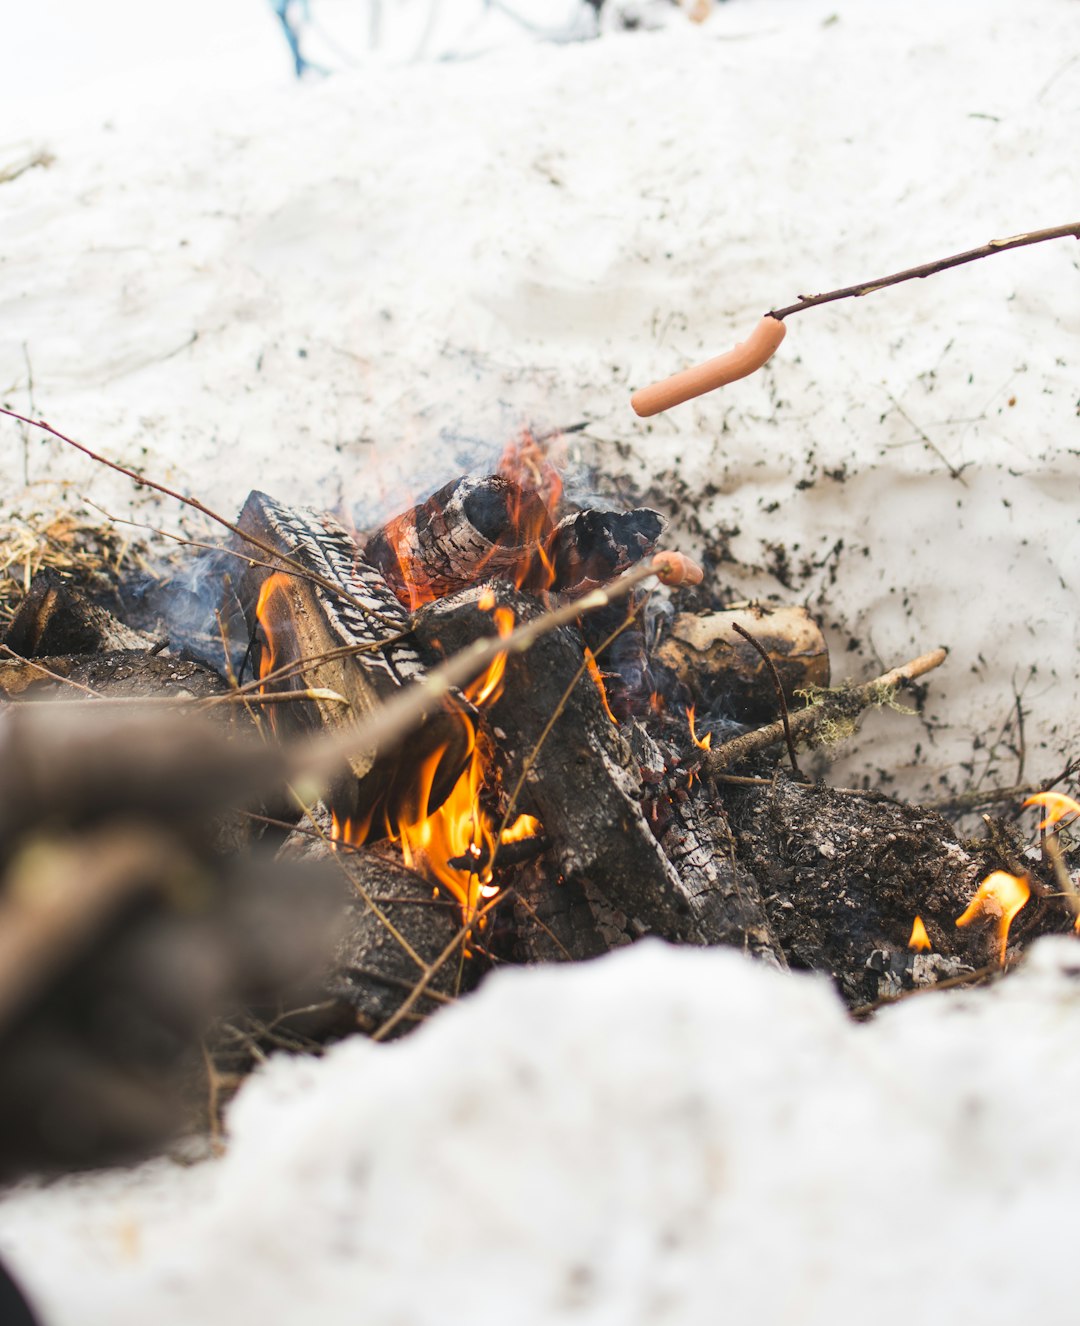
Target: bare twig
{"points": [[930, 268], [280, 562], [395, 719], [836, 706], [296, 571], [42, 157], [779, 688]]}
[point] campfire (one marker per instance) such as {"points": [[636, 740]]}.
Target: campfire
{"points": [[632, 772]]}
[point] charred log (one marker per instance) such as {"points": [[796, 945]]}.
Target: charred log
{"points": [[354, 645], [697, 839], [593, 547], [470, 530], [582, 781], [391, 927], [56, 617]]}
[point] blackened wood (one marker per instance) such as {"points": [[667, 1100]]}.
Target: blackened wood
{"points": [[371, 972], [558, 919], [592, 547], [470, 530], [697, 839], [583, 785], [308, 623], [726, 674], [56, 617]]}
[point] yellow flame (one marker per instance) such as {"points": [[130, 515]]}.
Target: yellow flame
{"points": [[594, 673], [920, 940], [525, 826], [1001, 896], [460, 827], [702, 743], [1056, 804]]}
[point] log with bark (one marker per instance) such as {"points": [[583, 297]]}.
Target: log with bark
{"points": [[347, 635]]}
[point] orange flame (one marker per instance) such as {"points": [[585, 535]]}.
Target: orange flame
{"points": [[532, 466], [1002, 896], [1056, 804], [920, 940], [460, 827], [525, 826], [702, 743], [594, 673]]}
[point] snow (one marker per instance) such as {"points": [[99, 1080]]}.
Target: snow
{"points": [[346, 289], [340, 290], [662, 1136]]}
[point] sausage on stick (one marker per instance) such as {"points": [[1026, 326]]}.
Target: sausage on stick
{"points": [[746, 358]]}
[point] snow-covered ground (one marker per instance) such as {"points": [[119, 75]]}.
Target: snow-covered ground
{"points": [[664, 1136], [345, 290]]}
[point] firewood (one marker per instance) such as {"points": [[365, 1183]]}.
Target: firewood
{"points": [[311, 633], [56, 617], [582, 782], [592, 547], [391, 927], [698, 841], [470, 530], [726, 674]]}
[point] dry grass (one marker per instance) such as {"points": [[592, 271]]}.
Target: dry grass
{"points": [[64, 542]]}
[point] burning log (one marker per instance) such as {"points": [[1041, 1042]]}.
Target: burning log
{"points": [[468, 531], [391, 930], [593, 547], [581, 784], [355, 647], [727, 674], [580, 779]]}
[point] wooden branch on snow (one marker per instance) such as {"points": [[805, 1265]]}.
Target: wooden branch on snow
{"points": [[841, 706]]}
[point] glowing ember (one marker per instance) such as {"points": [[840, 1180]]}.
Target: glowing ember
{"points": [[702, 743], [594, 673], [920, 940], [1001, 896], [525, 826], [1057, 806]]}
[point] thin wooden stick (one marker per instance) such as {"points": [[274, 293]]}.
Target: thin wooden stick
{"points": [[778, 687], [1072, 230], [281, 560], [395, 719], [842, 706]]}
